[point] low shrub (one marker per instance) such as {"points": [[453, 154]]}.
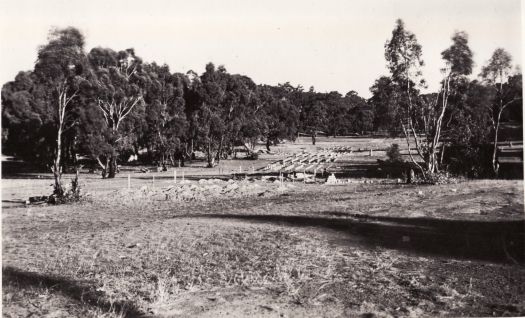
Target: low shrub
{"points": [[252, 156], [73, 193], [393, 154], [436, 178]]}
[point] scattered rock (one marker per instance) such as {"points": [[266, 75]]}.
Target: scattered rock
{"points": [[57, 314], [231, 187], [204, 189], [269, 308], [325, 298]]}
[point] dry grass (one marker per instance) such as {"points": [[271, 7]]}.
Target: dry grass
{"points": [[166, 259], [319, 251]]}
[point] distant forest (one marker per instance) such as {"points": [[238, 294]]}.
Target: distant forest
{"points": [[109, 104]]}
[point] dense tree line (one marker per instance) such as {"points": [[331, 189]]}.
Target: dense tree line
{"points": [[109, 105]]}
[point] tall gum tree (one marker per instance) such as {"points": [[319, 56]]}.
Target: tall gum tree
{"points": [[28, 120], [279, 116], [495, 74], [224, 102], [458, 65], [165, 119], [60, 70], [404, 60], [423, 115], [383, 100], [241, 99], [118, 90], [210, 111]]}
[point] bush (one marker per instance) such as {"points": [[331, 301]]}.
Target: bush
{"points": [[393, 154], [470, 161], [437, 178], [252, 156], [71, 194]]}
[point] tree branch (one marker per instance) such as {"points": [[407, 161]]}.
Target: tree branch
{"points": [[407, 138]]}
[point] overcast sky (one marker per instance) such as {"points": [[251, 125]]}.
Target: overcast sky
{"points": [[331, 45]]}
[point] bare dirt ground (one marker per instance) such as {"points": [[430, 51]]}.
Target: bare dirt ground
{"points": [[304, 250]]}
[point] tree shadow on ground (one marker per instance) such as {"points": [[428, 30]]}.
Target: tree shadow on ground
{"points": [[84, 294], [494, 241]]}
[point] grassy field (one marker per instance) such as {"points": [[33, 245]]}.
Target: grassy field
{"points": [[306, 250]]}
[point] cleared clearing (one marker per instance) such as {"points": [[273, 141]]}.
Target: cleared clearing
{"points": [[309, 250]]}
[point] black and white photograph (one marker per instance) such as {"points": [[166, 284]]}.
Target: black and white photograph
{"points": [[262, 158]]}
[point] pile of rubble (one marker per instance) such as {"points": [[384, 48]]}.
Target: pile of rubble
{"points": [[206, 189]]}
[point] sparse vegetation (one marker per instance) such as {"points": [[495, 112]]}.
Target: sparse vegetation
{"points": [[393, 153], [316, 224], [315, 251]]}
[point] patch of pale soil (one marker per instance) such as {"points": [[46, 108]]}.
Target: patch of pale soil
{"points": [[246, 302]]}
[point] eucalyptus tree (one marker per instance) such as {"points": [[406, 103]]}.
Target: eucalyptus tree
{"points": [[60, 71], [28, 120], [313, 111], [242, 123], [458, 65], [468, 130], [360, 114], [384, 102], [165, 119], [404, 59], [424, 114], [118, 89], [220, 103], [497, 75], [337, 111], [192, 102], [279, 117], [361, 118], [315, 118], [209, 113]]}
